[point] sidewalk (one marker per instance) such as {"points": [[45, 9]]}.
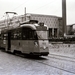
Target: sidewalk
{"points": [[62, 49]]}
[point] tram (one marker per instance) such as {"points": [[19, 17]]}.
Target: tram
{"points": [[29, 38]]}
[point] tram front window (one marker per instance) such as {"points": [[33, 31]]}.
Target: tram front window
{"points": [[42, 35], [29, 35]]}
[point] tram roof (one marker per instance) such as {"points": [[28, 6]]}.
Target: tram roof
{"points": [[32, 26]]}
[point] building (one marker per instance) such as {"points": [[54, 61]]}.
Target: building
{"points": [[54, 23], [71, 29]]}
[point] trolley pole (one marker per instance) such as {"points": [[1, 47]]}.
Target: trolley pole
{"points": [[64, 17], [7, 24], [8, 19]]}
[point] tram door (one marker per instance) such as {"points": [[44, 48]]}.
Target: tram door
{"points": [[9, 40]]}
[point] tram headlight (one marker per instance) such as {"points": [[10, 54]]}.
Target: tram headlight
{"points": [[44, 47], [36, 43]]}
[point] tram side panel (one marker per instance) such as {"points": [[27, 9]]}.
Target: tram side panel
{"points": [[44, 46], [33, 46], [2, 45], [3, 42], [19, 45], [24, 46]]}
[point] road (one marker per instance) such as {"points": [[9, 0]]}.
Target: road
{"points": [[52, 65]]}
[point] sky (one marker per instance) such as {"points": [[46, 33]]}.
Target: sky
{"points": [[45, 7]]}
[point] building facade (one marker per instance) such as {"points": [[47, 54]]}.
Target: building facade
{"points": [[71, 29], [54, 23]]}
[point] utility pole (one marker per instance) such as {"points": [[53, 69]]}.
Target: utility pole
{"points": [[64, 17], [25, 13]]}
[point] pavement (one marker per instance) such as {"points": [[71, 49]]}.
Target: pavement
{"points": [[62, 49], [15, 65]]}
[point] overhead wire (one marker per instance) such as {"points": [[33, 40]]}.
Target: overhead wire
{"points": [[55, 10], [44, 5], [20, 5], [34, 9], [16, 8], [37, 8]]}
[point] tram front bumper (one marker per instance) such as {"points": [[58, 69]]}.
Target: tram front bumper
{"points": [[40, 53]]}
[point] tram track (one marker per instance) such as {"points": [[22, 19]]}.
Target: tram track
{"points": [[60, 57], [66, 69], [47, 61], [55, 67]]}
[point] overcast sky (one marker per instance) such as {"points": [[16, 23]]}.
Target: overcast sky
{"points": [[47, 7]]}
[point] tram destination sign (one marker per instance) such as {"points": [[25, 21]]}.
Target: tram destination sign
{"points": [[41, 28]]}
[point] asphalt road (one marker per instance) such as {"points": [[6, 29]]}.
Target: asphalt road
{"points": [[17, 65]]}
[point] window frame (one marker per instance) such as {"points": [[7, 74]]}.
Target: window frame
{"points": [[32, 36]]}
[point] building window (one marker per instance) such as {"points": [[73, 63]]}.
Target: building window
{"points": [[55, 32], [50, 32]]}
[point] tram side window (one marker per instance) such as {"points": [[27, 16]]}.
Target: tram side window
{"points": [[4, 36], [16, 35], [29, 34], [1, 36]]}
